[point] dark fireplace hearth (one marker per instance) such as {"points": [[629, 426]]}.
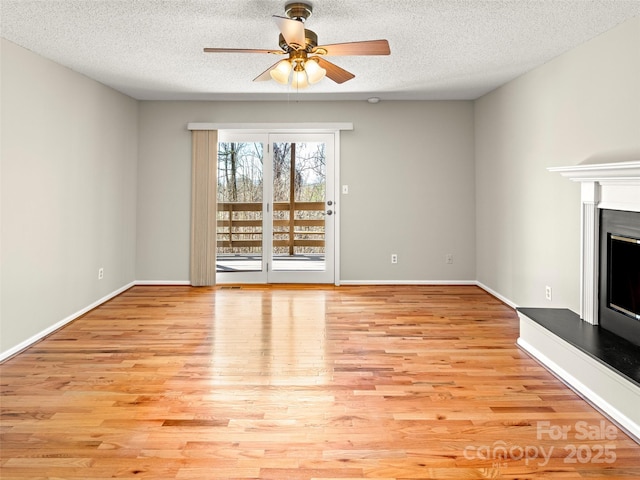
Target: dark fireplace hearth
{"points": [[619, 280]]}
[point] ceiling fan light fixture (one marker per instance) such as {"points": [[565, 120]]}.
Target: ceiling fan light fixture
{"points": [[306, 63], [299, 80], [315, 72], [281, 72]]}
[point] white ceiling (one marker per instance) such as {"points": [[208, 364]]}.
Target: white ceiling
{"points": [[440, 49]]}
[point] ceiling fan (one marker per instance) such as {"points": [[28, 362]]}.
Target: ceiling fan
{"points": [[305, 63]]}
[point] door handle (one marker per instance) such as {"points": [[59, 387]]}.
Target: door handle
{"points": [[329, 212]]}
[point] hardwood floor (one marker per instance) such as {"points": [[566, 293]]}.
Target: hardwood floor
{"points": [[298, 383]]}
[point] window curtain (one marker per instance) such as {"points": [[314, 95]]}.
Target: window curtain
{"points": [[204, 179]]}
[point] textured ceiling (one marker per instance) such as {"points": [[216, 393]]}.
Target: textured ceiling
{"points": [[440, 49]]}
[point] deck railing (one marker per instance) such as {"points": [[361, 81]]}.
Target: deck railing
{"points": [[298, 227]]}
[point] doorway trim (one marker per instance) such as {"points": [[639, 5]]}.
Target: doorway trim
{"points": [[317, 127]]}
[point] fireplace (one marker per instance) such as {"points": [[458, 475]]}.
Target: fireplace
{"points": [[619, 292], [597, 350], [604, 187]]}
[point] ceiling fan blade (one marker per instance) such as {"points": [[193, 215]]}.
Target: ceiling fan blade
{"points": [[334, 72], [368, 47], [292, 31], [266, 75], [241, 50]]}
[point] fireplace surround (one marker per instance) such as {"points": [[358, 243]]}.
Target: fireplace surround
{"points": [[608, 190], [610, 186]]}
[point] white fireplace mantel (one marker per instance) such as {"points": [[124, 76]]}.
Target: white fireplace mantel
{"points": [[613, 186], [589, 171]]}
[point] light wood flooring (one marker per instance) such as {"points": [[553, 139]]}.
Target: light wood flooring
{"points": [[288, 382]]}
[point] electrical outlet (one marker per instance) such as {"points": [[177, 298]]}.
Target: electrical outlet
{"points": [[547, 292], [449, 258], [394, 258], [100, 273]]}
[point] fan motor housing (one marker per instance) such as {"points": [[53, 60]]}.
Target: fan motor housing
{"points": [[298, 10]]}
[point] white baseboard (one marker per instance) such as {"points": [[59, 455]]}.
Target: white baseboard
{"points": [[433, 282], [497, 295], [612, 394], [408, 282], [162, 282], [48, 331]]}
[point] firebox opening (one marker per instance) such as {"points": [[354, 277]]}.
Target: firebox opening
{"points": [[619, 292], [624, 275]]}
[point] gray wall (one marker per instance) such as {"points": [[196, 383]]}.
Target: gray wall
{"points": [[582, 106], [409, 167], [69, 154]]}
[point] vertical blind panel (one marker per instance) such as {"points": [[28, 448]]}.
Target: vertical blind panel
{"points": [[203, 207]]}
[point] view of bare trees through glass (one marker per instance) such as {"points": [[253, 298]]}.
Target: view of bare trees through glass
{"points": [[298, 195], [298, 198], [240, 187]]}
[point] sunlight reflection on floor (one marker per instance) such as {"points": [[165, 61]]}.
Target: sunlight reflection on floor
{"points": [[271, 339]]}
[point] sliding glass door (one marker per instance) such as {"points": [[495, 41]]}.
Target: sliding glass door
{"points": [[276, 208]]}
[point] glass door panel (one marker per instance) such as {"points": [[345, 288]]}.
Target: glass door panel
{"points": [[302, 221], [299, 191], [240, 212]]}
